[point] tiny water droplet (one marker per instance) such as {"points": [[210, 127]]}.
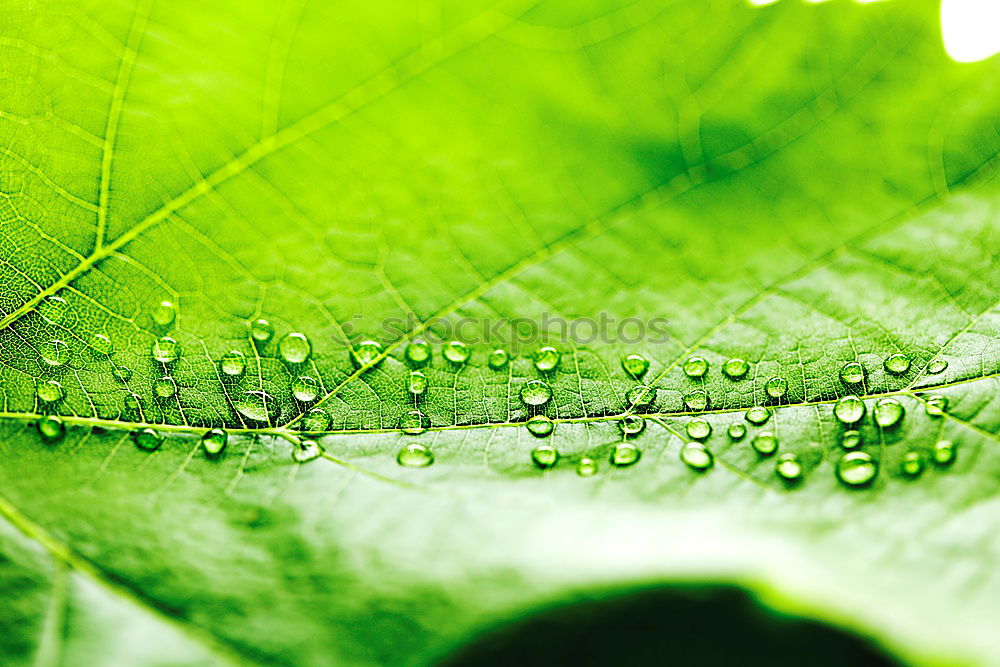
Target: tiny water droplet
{"points": [[366, 353], [696, 456], [849, 409], [497, 359], [535, 392], [456, 352], [735, 368], [776, 387], [165, 387], [936, 406], [294, 347], [856, 468], [913, 464], [765, 443], [418, 383], [944, 452], [315, 420], [736, 431], [631, 425], [147, 439], [888, 412], [788, 467], [100, 343], [164, 313], [417, 353], [546, 358], [414, 455], [305, 389], [233, 363], [851, 439], [261, 331], [52, 428], [586, 467], [166, 350], [214, 441], [53, 309], [640, 397], [624, 454], [897, 364], [635, 365], [306, 451], [122, 373], [544, 456], [696, 367], [757, 415], [49, 391], [540, 426], [257, 406], [852, 373], [414, 422], [696, 400], [133, 403], [55, 352], [699, 429], [937, 366]]}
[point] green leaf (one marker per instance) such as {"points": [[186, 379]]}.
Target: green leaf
{"points": [[800, 186]]}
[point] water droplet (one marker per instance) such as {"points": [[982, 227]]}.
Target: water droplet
{"points": [[944, 452], [133, 403], [261, 331], [856, 468], [936, 406], [776, 387], [414, 455], [147, 439], [937, 366], [418, 383], [55, 352], [697, 456], [735, 368], [765, 443], [888, 412], [546, 358], [258, 406], [49, 391], [165, 387], [696, 367], [699, 429], [544, 456], [497, 359], [849, 409], [366, 353], [757, 415], [851, 439], [315, 420], [51, 427], [294, 347], [635, 365], [233, 363], [540, 426], [306, 451], [214, 441], [586, 467], [852, 373], [166, 350], [640, 397], [696, 400], [535, 392], [414, 422], [456, 352], [305, 389], [164, 313], [631, 425], [100, 343], [736, 431], [897, 364], [53, 309], [788, 467], [913, 464], [122, 373], [624, 454], [418, 352]]}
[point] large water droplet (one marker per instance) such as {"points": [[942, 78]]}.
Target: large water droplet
{"points": [[55, 352], [757, 415], [166, 350], [897, 364], [261, 331], [414, 422], [544, 456], [735, 368], [53, 309], [631, 425], [165, 387], [497, 359], [776, 387], [851, 439], [888, 412], [164, 313], [695, 367], [52, 428], [736, 431], [100, 343], [696, 400], [765, 443], [456, 352], [586, 467], [849, 409], [640, 397], [295, 347], [366, 353], [788, 467], [696, 456], [418, 383], [936, 406], [536, 392], [315, 420], [147, 439], [624, 454], [852, 373], [699, 429], [306, 451], [546, 358], [305, 389], [49, 391], [233, 363], [937, 366], [913, 464], [122, 373], [417, 353], [258, 406], [635, 365], [856, 469], [944, 452], [540, 426], [213, 442], [414, 455]]}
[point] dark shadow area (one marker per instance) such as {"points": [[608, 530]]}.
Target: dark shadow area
{"points": [[681, 625]]}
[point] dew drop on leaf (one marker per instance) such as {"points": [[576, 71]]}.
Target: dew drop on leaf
{"points": [[696, 456], [535, 392], [414, 455], [53, 309], [849, 409], [776, 387], [757, 415], [540, 426], [261, 331], [100, 343], [696, 400], [133, 404], [49, 391], [122, 373], [888, 412], [456, 352], [635, 365], [414, 422], [214, 441], [294, 347], [852, 373], [497, 359], [735, 368], [699, 429], [55, 352], [856, 469], [788, 467], [850, 439], [305, 389], [257, 406], [586, 467], [736, 431], [366, 353], [306, 451], [937, 366], [164, 313], [417, 353], [897, 364], [544, 456], [147, 439], [640, 397], [165, 387], [233, 363], [696, 367], [546, 358], [166, 350], [316, 420], [936, 406], [631, 425], [944, 452], [765, 443], [418, 383], [624, 454], [52, 428], [913, 464]]}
